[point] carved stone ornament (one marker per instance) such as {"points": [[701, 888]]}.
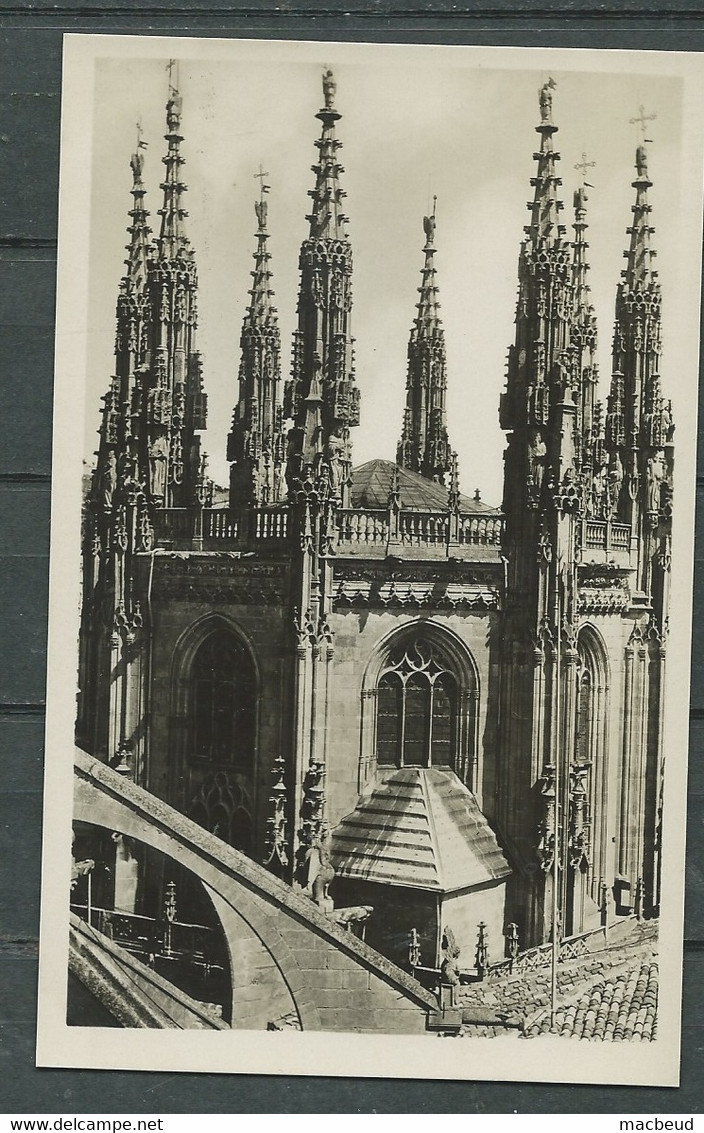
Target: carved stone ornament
{"points": [[276, 840], [546, 826]]}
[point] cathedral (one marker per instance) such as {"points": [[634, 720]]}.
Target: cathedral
{"points": [[399, 700]]}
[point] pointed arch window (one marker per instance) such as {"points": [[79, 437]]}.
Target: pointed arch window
{"points": [[220, 776], [416, 708], [224, 698]]}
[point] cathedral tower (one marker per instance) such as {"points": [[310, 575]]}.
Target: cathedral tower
{"points": [[424, 446], [545, 409], [639, 426], [177, 405], [323, 401], [117, 517], [255, 445]]}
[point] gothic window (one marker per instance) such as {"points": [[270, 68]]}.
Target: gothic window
{"points": [[224, 698], [223, 806], [416, 722]]}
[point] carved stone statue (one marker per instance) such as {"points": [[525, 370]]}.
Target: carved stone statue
{"points": [[642, 161], [158, 456], [137, 164], [109, 480], [598, 491], [329, 89], [261, 209], [654, 476], [450, 967], [173, 111], [537, 452], [320, 869], [546, 101], [666, 423], [615, 480], [335, 452], [429, 224]]}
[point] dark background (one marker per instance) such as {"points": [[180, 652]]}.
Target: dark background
{"points": [[30, 77]]}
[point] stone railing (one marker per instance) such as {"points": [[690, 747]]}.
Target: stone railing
{"points": [[362, 526], [602, 535], [535, 959], [213, 529], [378, 529], [383, 530]]}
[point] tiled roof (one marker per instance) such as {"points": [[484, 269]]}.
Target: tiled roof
{"points": [[420, 828], [623, 1007], [371, 485]]}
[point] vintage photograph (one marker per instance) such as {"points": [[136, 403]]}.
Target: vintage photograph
{"points": [[371, 559]]}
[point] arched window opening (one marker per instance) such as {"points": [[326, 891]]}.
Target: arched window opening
{"points": [[220, 761], [223, 701], [586, 834], [416, 708]]}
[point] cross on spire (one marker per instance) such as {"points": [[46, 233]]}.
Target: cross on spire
{"points": [[172, 66], [261, 175], [582, 167], [641, 118]]}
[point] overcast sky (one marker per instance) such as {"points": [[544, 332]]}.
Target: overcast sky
{"points": [[454, 122]]}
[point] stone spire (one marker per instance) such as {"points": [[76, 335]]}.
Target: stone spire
{"points": [[118, 518], [138, 248], [256, 443], [583, 337], [424, 446], [545, 227], [323, 350], [327, 220], [173, 241], [538, 374], [177, 403], [639, 425]]}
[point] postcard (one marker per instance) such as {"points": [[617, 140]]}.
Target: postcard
{"points": [[371, 561]]}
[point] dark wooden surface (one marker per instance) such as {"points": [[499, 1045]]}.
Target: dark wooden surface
{"points": [[30, 67]]}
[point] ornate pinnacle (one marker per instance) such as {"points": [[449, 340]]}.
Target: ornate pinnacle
{"points": [[639, 255], [139, 230], [261, 310], [545, 207], [173, 241], [453, 495], [327, 219], [428, 307]]}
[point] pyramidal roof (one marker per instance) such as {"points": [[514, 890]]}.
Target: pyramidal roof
{"points": [[419, 828], [372, 483]]}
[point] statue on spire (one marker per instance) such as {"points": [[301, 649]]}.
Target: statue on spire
{"points": [[173, 110], [329, 89], [429, 225], [642, 162], [545, 99]]}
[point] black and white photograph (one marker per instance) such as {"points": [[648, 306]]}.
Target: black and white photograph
{"points": [[371, 560]]}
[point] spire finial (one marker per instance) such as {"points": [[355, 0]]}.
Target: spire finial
{"points": [[327, 219], [329, 89], [545, 100], [260, 206], [582, 167], [640, 120], [172, 237], [429, 226], [139, 230], [172, 67]]}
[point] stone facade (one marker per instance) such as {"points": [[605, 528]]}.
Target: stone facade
{"points": [[262, 666]]}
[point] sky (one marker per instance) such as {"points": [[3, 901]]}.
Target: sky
{"points": [[457, 123]]}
